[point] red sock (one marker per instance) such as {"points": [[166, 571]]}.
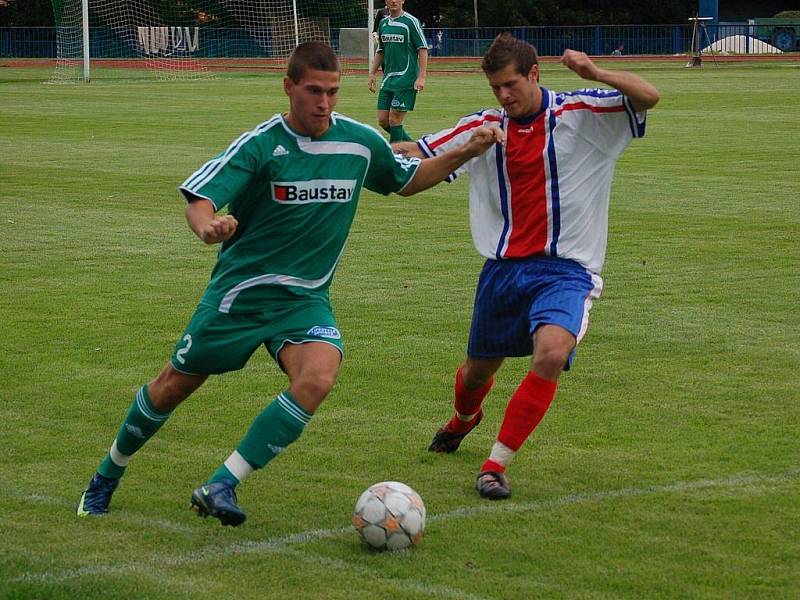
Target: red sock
{"points": [[490, 465], [467, 402], [526, 409]]}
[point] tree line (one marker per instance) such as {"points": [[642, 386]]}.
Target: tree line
{"points": [[434, 13]]}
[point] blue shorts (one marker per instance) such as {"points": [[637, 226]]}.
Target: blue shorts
{"points": [[515, 296]]}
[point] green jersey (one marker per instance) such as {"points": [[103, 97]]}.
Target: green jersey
{"points": [[294, 198], [400, 40]]}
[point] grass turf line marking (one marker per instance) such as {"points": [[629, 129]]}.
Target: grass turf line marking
{"points": [[283, 543], [123, 515], [736, 481], [403, 584]]}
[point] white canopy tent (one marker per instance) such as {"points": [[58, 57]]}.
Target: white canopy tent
{"points": [[740, 44]]}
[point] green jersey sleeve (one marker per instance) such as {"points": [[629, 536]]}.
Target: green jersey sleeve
{"points": [[388, 172], [416, 37], [226, 176]]}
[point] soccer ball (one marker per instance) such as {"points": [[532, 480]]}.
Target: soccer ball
{"points": [[390, 516]]}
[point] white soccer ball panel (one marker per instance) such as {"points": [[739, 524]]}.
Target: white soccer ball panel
{"points": [[362, 499], [413, 522], [373, 510], [398, 541], [374, 535], [396, 485], [397, 503]]}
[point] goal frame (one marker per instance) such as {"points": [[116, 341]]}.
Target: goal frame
{"points": [[86, 51]]}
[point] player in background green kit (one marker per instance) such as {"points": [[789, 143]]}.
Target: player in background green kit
{"points": [[403, 54], [291, 187]]}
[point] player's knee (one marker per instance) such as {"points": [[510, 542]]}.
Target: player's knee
{"points": [[311, 391], [396, 118], [549, 362]]}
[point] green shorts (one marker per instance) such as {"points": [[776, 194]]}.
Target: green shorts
{"points": [[400, 100], [216, 342]]}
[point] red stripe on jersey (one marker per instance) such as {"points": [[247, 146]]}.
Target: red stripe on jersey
{"points": [[528, 183], [584, 106], [465, 127]]}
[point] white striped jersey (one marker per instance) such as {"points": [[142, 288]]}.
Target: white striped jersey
{"points": [[546, 190], [295, 198]]}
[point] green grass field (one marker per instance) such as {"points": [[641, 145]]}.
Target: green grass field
{"points": [[668, 466]]}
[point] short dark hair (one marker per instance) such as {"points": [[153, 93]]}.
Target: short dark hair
{"points": [[311, 55], [505, 50]]}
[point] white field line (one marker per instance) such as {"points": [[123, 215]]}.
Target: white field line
{"points": [[404, 585], [735, 481], [283, 544], [122, 515]]}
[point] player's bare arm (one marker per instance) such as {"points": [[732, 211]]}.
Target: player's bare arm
{"points": [[433, 170], [422, 61], [409, 149], [210, 228], [376, 63], [642, 93]]}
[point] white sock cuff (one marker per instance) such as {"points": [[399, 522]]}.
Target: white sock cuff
{"points": [[237, 465], [117, 457], [501, 454]]}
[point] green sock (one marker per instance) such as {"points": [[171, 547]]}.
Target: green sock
{"points": [[224, 473], [398, 134], [280, 424], [140, 424]]}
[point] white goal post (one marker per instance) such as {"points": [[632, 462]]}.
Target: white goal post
{"points": [[190, 39]]}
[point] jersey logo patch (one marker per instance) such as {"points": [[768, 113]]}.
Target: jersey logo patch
{"points": [[315, 190], [393, 37], [280, 151], [326, 332]]}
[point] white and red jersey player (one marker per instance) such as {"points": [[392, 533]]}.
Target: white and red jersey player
{"points": [[546, 190], [539, 214]]}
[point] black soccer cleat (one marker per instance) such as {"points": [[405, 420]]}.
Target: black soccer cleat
{"points": [[493, 485], [96, 498], [219, 501], [447, 441]]}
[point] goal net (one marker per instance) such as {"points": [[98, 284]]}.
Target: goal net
{"points": [[190, 39]]}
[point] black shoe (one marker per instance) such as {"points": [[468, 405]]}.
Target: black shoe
{"points": [[97, 496], [493, 485], [447, 441], [218, 500]]}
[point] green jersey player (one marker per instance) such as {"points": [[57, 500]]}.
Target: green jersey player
{"points": [[291, 187], [403, 54]]}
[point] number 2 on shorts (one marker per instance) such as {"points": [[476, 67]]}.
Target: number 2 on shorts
{"points": [[179, 354]]}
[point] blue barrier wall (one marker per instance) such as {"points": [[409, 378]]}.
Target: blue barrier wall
{"points": [[40, 42]]}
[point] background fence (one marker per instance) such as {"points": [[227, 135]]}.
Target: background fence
{"points": [[40, 42]]}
